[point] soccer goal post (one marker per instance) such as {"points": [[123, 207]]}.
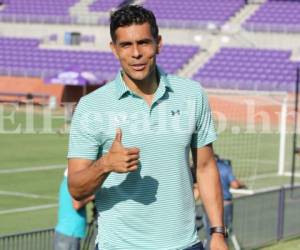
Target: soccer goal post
{"points": [[254, 131]]}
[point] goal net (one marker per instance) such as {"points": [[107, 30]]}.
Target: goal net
{"points": [[254, 132]]}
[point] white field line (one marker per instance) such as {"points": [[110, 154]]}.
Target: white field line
{"points": [[31, 169], [26, 209], [289, 174], [27, 195]]}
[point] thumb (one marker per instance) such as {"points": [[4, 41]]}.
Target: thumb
{"points": [[118, 137]]}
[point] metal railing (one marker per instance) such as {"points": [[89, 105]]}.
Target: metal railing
{"points": [[259, 219], [35, 240], [267, 217]]}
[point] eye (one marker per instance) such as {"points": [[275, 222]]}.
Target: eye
{"points": [[125, 45], [144, 42]]}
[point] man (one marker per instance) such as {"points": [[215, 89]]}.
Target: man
{"points": [[72, 219], [129, 144]]}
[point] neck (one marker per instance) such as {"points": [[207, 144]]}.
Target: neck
{"points": [[143, 87]]}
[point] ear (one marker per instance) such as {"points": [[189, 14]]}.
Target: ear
{"points": [[159, 44], [113, 48]]}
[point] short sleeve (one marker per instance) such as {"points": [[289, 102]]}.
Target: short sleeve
{"points": [[83, 141], [230, 175], [205, 132]]}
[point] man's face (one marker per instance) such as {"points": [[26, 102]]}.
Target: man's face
{"points": [[136, 49]]}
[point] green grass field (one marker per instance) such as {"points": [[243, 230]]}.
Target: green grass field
{"points": [[32, 165], [292, 244], [22, 176]]}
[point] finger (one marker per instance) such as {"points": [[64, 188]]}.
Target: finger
{"points": [[118, 135], [132, 168], [133, 163], [131, 151], [132, 157]]}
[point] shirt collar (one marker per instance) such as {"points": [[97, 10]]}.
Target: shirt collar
{"points": [[122, 88]]}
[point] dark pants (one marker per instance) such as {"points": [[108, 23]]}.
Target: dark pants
{"points": [[64, 242], [197, 246]]}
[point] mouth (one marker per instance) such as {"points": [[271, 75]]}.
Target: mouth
{"points": [[138, 67]]}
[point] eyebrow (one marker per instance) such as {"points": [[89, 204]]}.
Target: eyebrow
{"points": [[125, 43], [145, 40]]}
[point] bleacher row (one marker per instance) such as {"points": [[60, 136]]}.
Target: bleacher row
{"points": [[232, 68], [104, 6], [277, 16], [273, 15], [20, 56], [191, 13], [249, 69], [36, 11]]}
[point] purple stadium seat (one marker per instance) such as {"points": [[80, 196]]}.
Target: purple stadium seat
{"points": [[178, 13], [24, 53], [276, 15], [193, 12], [256, 69], [55, 11], [103, 5]]}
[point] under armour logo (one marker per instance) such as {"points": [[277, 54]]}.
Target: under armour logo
{"points": [[175, 112]]}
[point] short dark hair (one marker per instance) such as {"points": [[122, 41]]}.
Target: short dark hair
{"points": [[132, 14]]}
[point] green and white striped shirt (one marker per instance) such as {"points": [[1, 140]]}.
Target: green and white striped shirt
{"points": [[153, 207]]}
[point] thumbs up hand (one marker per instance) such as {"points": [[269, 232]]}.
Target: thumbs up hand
{"points": [[120, 159]]}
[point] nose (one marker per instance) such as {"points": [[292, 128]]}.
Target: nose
{"points": [[136, 53]]}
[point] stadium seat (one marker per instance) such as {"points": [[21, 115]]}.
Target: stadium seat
{"points": [[244, 68], [56, 11], [24, 55], [193, 13], [277, 16], [104, 6]]}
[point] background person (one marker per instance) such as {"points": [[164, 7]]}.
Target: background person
{"points": [[72, 219]]}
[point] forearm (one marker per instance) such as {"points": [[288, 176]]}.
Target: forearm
{"points": [[84, 182], [211, 192]]}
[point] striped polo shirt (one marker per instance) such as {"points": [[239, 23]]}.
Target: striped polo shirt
{"points": [[153, 207]]}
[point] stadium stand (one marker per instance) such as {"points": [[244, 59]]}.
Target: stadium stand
{"points": [[249, 69], [174, 57], [276, 16], [237, 67], [170, 13], [55, 11], [193, 13], [101, 5], [22, 56]]}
